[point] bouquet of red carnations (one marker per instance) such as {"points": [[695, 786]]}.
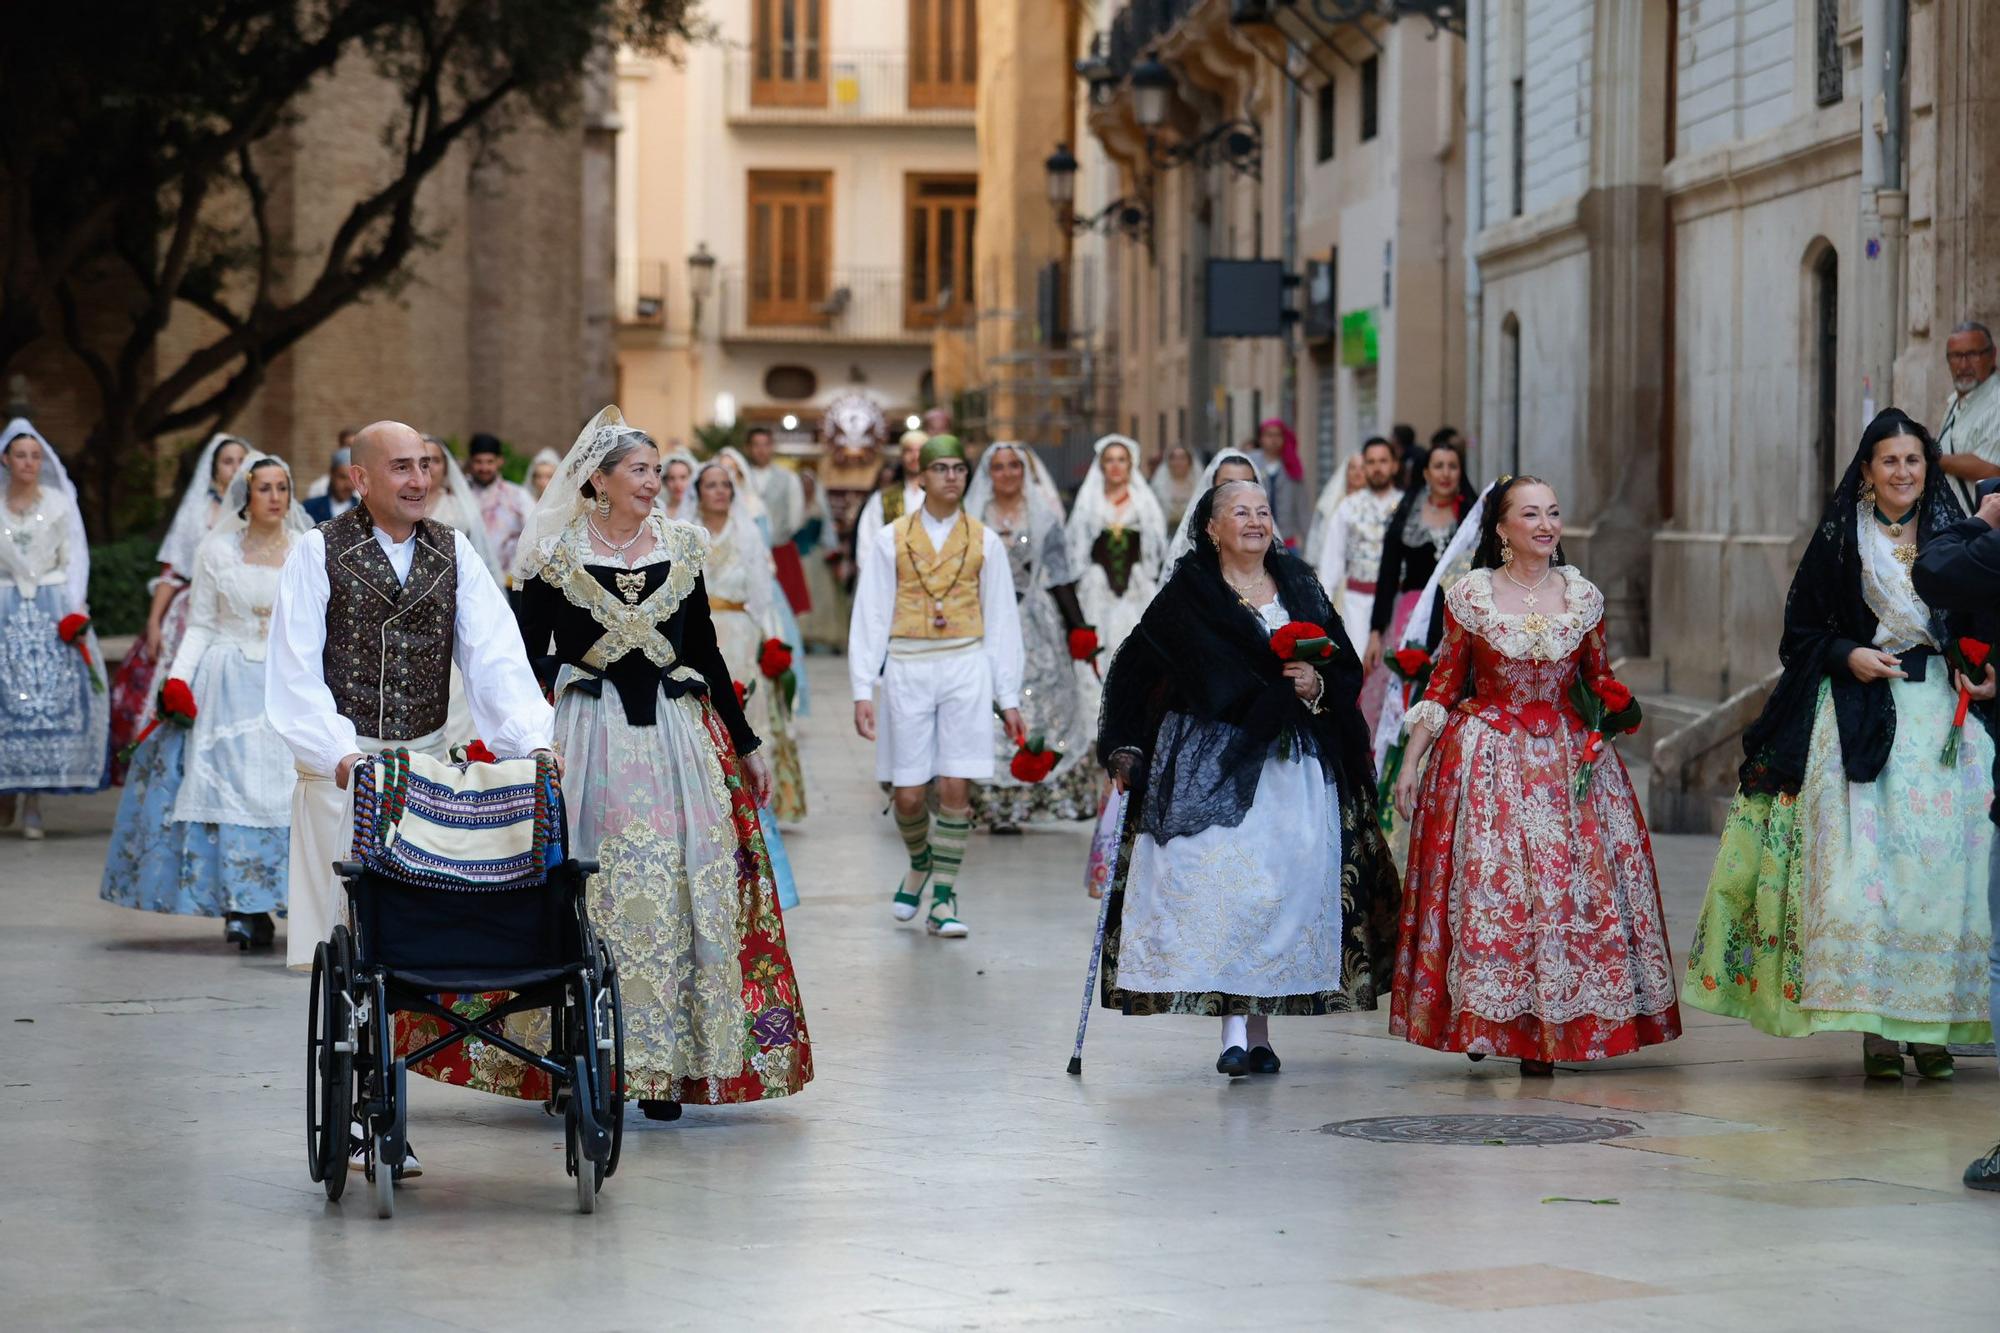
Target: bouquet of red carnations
{"points": [[176, 705], [1084, 647], [1302, 641], [774, 662], [1033, 759], [1968, 658], [1607, 708], [70, 629]]}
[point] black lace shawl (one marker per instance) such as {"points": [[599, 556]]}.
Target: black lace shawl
{"points": [[1826, 618]]}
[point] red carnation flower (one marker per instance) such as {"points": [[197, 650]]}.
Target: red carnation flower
{"points": [[1616, 695], [1975, 652], [774, 659], [477, 753], [1083, 644], [177, 700], [1411, 662], [71, 625], [1302, 641], [742, 693]]}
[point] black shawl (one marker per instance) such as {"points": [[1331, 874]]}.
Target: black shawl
{"points": [[1826, 618]]}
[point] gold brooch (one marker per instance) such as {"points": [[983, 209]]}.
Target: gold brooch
{"points": [[630, 586]]}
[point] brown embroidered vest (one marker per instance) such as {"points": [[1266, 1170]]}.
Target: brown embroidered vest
{"points": [[388, 645]]}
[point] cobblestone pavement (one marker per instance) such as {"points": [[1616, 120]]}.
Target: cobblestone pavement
{"points": [[943, 1171]]}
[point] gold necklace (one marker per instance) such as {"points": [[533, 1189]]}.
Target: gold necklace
{"points": [[1529, 600]]}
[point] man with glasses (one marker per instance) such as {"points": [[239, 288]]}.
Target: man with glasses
{"points": [[1969, 433], [934, 622]]}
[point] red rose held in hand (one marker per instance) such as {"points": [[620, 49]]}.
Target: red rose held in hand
{"points": [[1617, 697], [774, 659]]}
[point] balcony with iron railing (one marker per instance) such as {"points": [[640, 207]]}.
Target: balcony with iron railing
{"points": [[812, 87], [856, 306]]}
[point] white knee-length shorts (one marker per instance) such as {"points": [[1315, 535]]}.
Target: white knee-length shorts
{"points": [[935, 718]]}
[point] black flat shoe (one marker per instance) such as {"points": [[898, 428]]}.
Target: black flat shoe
{"points": [[1264, 1060], [1538, 1068], [660, 1110], [236, 931], [1234, 1062], [263, 930], [1475, 1056]]}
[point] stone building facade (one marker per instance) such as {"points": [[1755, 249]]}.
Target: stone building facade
{"points": [[1697, 265], [503, 325]]}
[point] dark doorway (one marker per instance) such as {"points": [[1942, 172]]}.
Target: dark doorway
{"points": [[1826, 368]]}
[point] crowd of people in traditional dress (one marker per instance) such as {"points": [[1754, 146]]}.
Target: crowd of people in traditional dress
{"points": [[1268, 702]]}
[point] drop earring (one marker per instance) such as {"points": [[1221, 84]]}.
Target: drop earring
{"points": [[1506, 552], [602, 505], [1867, 490]]}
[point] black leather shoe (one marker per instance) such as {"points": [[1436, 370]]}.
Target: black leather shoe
{"points": [[660, 1110], [236, 931], [263, 930], [1984, 1174], [1264, 1060], [1234, 1062]]}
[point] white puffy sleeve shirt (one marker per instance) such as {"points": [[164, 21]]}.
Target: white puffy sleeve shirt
{"points": [[507, 704]]}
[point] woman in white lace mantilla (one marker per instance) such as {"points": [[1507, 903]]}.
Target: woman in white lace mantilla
{"points": [[204, 823], [1118, 543], [663, 779], [54, 712]]}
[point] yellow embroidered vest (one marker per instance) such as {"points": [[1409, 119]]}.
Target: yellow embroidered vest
{"points": [[950, 607]]}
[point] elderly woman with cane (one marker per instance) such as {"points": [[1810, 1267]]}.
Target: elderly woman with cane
{"points": [[1252, 880]]}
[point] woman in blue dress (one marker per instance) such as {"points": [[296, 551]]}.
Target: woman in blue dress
{"points": [[55, 716], [204, 824]]}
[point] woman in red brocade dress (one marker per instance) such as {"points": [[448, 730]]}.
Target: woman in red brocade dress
{"points": [[1532, 924]]}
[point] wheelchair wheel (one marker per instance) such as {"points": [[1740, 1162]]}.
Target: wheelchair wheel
{"points": [[589, 1175], [329, 1073], [337, 1098], [385, 1181], [614, 1100]]}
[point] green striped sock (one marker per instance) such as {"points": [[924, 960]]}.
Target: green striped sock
{"points": [[916, 831], [948, 850]]}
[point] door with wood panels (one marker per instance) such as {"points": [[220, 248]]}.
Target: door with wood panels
{"points": [[944, 54], [788, 53], [790, 241], [940, 213]]}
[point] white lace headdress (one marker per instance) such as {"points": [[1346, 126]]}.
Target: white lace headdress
{"points": [[1184, 534], [191, 521], [1092, 513], [1044, 501], [232, 518], [564, 502]]}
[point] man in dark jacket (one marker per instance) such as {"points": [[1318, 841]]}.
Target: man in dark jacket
{"points": [[1959, 570]]}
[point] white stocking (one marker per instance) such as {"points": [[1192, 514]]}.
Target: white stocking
{"points": [[1232, 1032]]}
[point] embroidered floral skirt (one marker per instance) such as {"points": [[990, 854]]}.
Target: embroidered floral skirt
{"points": [[159, 864], [685, 898], [53, 725], [1858, 907], [1532, 924]]}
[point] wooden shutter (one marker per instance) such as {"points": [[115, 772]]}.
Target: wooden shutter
{"points": [[788, 53], [942, 212], [791, 239], [944, 54]]}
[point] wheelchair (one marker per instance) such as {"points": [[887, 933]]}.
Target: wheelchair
{"points": [[411, 942]]}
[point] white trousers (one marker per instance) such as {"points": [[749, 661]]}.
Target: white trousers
{"points": [[323, 833], [1356, 609], [935, 718]]}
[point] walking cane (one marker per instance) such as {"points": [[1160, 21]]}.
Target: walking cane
{"points": [[1097, 946]]}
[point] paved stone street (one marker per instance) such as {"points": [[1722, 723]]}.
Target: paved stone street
{"points": [[943, 1171]]}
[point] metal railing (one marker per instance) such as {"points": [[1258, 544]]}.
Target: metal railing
{"points": [[642, 293], [847, 306], [843, 87]]}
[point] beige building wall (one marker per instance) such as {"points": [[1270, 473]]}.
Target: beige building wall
{"points": [[689, 138]]}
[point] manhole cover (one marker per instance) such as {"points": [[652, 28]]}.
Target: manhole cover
{"points": [[1493, 1130]]}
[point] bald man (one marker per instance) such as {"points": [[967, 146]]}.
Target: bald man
{"points": [[373, 609]]}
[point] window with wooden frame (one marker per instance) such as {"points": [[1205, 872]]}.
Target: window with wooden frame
{"points": [[791, 239], [788, 53], [942, 212], [944, 54]]}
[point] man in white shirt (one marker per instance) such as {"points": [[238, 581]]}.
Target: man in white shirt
{"points": [[373, 609], [1969, 432], [935, 620], [784, 498], [503, 506]]}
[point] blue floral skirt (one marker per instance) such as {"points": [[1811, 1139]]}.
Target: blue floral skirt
{"points": [[157, 864]]}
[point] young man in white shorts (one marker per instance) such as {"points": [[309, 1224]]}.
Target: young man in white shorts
{"points": [[935, 624]]}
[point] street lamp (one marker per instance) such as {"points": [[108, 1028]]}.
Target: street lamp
{"points": [[1239, 144], [1061, 168], [1129, 217], [1152, 85], [701, 282]]}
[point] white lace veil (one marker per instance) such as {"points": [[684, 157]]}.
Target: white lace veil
{"points": [[455, 508], [191, 522], [232, 519], [746, 494], [688, 510], [1091, 513], [1184, 534], [1044, 501], [564, 503], [1452, 565], [746, 542], [542, 456], [55, 480]]}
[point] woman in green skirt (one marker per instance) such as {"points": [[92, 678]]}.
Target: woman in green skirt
{"points": [[1849, 894]]}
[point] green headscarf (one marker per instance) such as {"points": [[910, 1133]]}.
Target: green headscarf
{"points": [[939, 446]]}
